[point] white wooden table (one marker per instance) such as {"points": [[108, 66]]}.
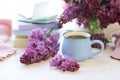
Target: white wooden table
{"points": [[101, 67]]}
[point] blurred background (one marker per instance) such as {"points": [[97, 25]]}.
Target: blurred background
{"points": [[9, 9]]}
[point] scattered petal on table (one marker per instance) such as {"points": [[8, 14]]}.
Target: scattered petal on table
{"points": [[6, 51]]}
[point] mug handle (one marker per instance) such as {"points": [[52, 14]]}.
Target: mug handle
{"points": [[101, 44]]}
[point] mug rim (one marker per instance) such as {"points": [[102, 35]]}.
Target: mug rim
{"points": [[72, 33]]}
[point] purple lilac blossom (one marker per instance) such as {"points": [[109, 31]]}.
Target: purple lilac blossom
{"points": [[40, 46], [64, 64], [98, 13], [106, 11], [100, 37]]}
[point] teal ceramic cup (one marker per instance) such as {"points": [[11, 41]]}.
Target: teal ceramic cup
{"points": [[77, 45]]}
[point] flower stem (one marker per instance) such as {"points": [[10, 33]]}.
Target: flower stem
{"points": [[49, 31]]}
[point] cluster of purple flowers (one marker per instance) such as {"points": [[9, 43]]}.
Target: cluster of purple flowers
{"points": [[93, 14], [41, 46], [105, 11], [64, 64], [99, 37]]}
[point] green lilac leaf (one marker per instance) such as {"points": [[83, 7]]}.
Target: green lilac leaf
{"points": [[79, 1], [70, 1], [93, 24]]}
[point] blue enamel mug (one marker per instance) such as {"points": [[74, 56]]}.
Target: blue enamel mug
{"points": [[77, 45]]}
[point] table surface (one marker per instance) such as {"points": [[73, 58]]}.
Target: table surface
{"points": [[100, 67]]}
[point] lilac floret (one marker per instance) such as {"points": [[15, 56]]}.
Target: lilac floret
{"points": [[40, 46], [64, 64]]}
